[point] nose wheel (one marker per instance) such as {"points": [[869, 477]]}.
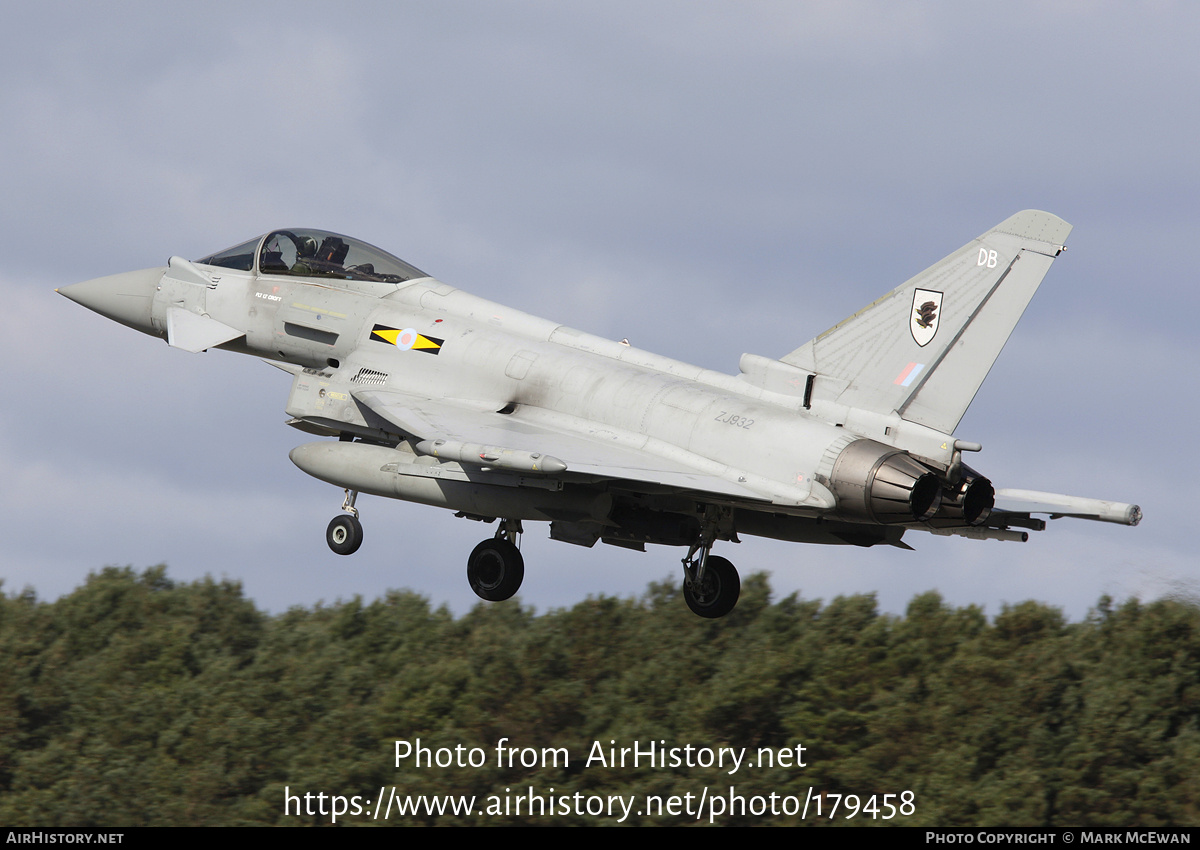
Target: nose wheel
{"points": [[345, 533]]}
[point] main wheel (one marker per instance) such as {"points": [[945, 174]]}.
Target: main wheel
{"points": [[344, 534], [719, 591], [495, 569]]}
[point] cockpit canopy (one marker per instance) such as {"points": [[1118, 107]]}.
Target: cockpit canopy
{"points": [[314, 253]]}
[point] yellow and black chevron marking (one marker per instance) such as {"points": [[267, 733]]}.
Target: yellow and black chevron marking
{"points": [[406, 339]]}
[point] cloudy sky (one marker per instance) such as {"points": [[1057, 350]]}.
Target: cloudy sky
{"points": [[703, 178]]}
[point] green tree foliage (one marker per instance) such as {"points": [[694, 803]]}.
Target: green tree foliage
{"points": [[139, 701]]}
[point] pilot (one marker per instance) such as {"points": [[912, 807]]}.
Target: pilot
{"points": [[306, 250]]}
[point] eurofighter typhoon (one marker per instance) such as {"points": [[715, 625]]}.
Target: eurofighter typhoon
{"points": [[426, 393]]}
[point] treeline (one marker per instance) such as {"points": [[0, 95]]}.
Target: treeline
{"points": [[140, 701]]}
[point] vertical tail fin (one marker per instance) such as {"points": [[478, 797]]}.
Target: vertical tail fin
{"points": [[923, 349]]}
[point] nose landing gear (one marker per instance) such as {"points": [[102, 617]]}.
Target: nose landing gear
{"points": [[345, 533]]}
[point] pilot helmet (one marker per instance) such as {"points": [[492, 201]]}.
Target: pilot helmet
{"points": [[306, 246]]}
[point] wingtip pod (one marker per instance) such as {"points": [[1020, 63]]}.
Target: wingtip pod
{"points": [[1059, 505]]}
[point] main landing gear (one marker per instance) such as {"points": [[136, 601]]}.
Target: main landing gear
{"points": [[711, 585], [345, 533], [496, 569]]}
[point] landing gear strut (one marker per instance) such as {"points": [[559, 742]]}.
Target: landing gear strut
{"points": [[496, 569], [345, 533], [711, 585]]}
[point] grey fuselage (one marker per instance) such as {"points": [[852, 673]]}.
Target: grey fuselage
{"points": [[499, 358]]}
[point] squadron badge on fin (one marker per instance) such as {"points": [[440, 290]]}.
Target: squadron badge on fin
{"points": [[923, 321]]}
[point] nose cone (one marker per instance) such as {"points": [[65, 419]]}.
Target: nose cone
{"points": [[124, 298]]}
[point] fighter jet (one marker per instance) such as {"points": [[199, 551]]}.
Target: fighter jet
{"points": [[426, 393]]}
